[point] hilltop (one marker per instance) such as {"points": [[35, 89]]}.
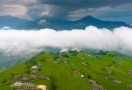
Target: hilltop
{"points": [[71, 70]]}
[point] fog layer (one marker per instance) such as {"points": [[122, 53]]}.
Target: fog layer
{"points": [[23, 42]]}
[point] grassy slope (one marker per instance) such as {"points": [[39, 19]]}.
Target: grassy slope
{"points": [[66, 79]]}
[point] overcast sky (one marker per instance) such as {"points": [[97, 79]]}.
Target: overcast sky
{"points": [[113, 10]]}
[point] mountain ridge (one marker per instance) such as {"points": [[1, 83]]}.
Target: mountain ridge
{"points": [[61, 24], [11, 21]]}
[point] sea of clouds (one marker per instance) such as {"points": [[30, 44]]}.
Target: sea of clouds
{"points": [[23, 42]]}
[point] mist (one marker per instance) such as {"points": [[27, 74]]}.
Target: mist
{"points": [[16, 42]]}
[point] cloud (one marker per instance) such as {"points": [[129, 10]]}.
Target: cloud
{"points": [[41, 22], [64, 8], [22, 41], [83, 3], [12, 9], [69, 9]]}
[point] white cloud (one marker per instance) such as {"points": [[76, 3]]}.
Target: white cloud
{"points": [[41, 22], [22, 41]]}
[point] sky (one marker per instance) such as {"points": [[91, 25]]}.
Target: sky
{"points": [[113, 10]]}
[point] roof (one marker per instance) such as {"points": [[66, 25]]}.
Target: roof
{"points": [[98, 85], [117, 81], [83, 63], [17, 84], [79, 73], [34, 72], [43, 87], [29, 85], [130, 85], [17, 76], [109, 71], [43, 77], [25, 79], [33, 76], [94, 88], [40, 64], [110, 77], [91, 81], [35, 66]]}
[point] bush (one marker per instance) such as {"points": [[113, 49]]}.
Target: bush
{"points": [[4, 81], [89, 77]]}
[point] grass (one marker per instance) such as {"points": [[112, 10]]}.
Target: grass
{"points": [[63, 77]]}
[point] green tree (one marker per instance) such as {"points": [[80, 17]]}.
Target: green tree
{"points": [[89, 77]]}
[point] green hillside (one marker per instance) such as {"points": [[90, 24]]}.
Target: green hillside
{"points": [[72, 70]]}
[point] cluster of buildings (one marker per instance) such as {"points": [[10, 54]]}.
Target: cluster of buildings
{"points": [[24, 85], [95, 84], [24, 80], [28, 86]]}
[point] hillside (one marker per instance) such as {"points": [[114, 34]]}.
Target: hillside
{"points": [[72, 70], [60, 24]]}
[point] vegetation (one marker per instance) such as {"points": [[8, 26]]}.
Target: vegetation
{"points": [[68, 76]]}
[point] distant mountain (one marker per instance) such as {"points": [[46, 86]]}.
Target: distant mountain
{"points": [[60, 24], [11, 21]]}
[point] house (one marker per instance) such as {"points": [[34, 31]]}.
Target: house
{"points": [[110, 77], [91, 81], [16, 77], [33, 76], [117, 81], [40, 65], [17, 84], [42, 87], [113, 66], [29, 85], [84, 63], [66, 62], [98, 86], [130, 85], [56, 62], [24, 85], [90, 56], [119, 64], [79, 73], [109, 71], [83, 58], [129, 72], [94, 88], [25, 79], [35, 66], [34, 72], [43, 77]]}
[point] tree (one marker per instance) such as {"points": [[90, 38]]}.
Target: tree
{"points": [[53, 83], [89, 77], [4, 81], [12, 75], [39, 69]]}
